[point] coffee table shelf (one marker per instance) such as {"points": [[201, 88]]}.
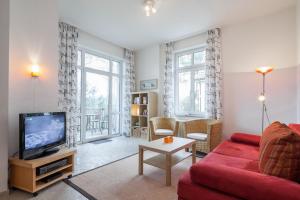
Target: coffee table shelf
{"points": [[160, 159], [169, 154]]}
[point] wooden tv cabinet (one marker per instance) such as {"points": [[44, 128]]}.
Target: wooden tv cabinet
{"points": [[23, 174]]}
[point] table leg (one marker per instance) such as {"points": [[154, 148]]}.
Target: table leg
{"points": [[141, 159], [168, 169], [194, 153]]}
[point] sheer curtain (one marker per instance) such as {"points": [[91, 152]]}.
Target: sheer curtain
{"points": [[168, 82], [214, 75], [67, 77], [128, 87]]}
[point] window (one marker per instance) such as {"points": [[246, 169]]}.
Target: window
{"points": [[99, 81], [190, 82]]}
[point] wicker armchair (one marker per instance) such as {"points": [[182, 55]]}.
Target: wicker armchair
{"points": [[208, 133], [163, 126]]}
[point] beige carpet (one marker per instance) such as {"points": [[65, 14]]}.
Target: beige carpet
{"points": [[120, 181]]}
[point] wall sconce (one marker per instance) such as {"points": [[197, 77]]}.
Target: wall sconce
{"points": [[35, 71]]}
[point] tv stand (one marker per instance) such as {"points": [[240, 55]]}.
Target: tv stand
{"points": [[23, 173], [50, 151], [44, 153]]}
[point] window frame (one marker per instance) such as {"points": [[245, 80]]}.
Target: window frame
{"points": [[110, 74], [192, 68]]}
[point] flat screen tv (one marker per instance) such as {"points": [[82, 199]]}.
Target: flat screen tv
{"points": [[40, 133]]}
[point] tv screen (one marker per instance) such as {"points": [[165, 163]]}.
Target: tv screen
{"points": [[41, 131]]}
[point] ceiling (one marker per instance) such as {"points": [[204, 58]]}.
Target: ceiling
{"points": [[124, 23]]}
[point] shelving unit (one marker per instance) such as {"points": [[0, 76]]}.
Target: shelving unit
{"points": [[143, 107], [23, 173]]}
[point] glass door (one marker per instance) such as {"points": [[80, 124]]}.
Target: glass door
{"points": [[100, 93], [96, 105]]}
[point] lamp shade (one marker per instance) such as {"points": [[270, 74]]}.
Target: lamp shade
{"points": [[264, 69]]}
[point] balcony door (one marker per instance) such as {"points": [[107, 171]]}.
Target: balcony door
{"points": [[99, 78]]}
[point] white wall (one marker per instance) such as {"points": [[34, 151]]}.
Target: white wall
{"points": [[94, 43], [269, 40], [298, 57], [33, 40], [298, 30], [150, 62], [4, 65], [147, 61], [190, 42], [147, 67]]}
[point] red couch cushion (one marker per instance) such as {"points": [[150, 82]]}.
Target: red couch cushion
{"points": [[238, 150], [246, 138], [242, 183], [241, 163], [295, 127], [190, 191], [280, 152]]}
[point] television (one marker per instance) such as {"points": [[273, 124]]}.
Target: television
{"points": [[40, 133]]}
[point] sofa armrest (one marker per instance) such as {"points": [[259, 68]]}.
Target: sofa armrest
{"points": [[246, 138], [244, 184], [295, 127]]}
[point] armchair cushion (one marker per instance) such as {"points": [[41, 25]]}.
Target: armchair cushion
{"points": [[246, 138], [242, 183], [163, 132], [197, 136], [163, 126]]}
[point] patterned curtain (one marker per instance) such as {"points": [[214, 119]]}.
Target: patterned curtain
{"points": [[168, 84], [129, 86], [214, 74], [67, 79]]}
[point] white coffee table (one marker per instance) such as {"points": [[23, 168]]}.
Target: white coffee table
{"points": [[169, 154]]}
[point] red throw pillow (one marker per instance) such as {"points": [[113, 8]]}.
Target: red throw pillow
{"points": [[246, 138], [280, 152]]}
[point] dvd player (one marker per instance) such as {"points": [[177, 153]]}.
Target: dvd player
{"points": [[51, 166]]}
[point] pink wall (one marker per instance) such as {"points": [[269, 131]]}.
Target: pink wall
{"points": [[33, 40], [268, 40], [4, 64], [242, 110]]}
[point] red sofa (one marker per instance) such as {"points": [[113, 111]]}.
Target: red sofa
{"points": [[231, 172]]}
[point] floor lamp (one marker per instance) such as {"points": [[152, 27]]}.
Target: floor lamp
{"points": [[263, 71]]}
